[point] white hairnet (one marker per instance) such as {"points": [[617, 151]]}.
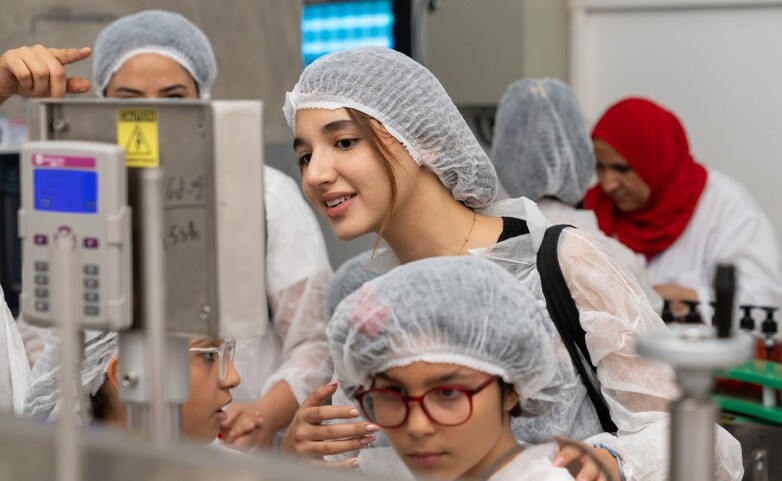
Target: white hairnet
{"points": [[351, 275], [541, 143], [453, 310], [44, 399], [154, 31], [411, 104]]}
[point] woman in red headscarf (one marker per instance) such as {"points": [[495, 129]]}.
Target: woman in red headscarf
{"points": [[682, 217]]}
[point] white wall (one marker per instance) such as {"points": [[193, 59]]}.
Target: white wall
{"points": [[716, 64]]}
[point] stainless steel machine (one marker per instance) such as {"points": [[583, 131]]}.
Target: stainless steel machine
{"points": [[145, 217]]}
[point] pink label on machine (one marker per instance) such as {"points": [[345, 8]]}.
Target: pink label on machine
{"points": [[48, 160]]}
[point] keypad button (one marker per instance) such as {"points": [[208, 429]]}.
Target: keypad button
{"points": [[41, 292], [91, 296], [42, 306], [91, 310], [91, 243], [42, 280], [91, 283], [91, 269], [41, 266]]}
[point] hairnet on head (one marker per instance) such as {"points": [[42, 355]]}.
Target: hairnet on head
{"points": [[351, 275], [541, 143], [44, 399], [154, 31], [411, 104], [453, 310]]}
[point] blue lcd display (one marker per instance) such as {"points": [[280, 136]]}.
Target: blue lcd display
{"points": [[333, 26], [72, 191]]}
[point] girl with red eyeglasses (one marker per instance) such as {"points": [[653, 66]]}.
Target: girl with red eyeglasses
{"points": [[441, 354]]}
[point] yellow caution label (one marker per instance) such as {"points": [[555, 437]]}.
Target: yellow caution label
{"points": [[137, 133]]}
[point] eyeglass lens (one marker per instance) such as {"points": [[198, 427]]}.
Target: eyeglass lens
{"points": [[446, 407]]}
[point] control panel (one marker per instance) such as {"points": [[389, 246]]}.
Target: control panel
{"points": [[74, 198]]}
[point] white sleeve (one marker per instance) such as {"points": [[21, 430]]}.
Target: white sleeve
{"points": [[297, 272], [15, 373], [656, 439], [744, 236], [613, 310]]}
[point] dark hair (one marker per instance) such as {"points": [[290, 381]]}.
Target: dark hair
{"points": [[102, 402], [505, 388], [367, 130]]}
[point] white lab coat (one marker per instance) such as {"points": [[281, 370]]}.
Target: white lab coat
{"points": [[533, 464], [294, 348], [558, 212], [15, 373], [727, 226]]}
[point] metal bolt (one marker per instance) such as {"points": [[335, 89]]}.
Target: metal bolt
{"points": [[129, 380], [59, 124], [205, 312]]}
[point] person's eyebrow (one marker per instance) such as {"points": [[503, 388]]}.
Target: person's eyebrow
{"points": [[206, 343], [442, 379], [128, 90], [329, 128], [172, 88], [336, 126]]}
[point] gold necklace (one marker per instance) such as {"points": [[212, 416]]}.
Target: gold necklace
{"points": [[466, 239]]}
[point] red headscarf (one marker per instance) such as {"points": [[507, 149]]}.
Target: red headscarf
{"points": [[653, 142]]}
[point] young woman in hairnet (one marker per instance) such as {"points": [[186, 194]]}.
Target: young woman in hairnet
{"points": [[684, 218], [383, 149], [442, 353], [212, 376], [542, 151], [157, 54]]}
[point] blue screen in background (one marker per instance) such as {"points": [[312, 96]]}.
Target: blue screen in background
{"points": [[72, 191], [334, 26]]}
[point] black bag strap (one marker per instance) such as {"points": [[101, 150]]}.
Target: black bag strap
{"points": [[563, 312]]}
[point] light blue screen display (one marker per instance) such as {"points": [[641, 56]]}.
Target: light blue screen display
{"points": [[71, 191], [333, 26]]}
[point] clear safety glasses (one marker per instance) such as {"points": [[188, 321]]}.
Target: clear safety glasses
{"points": [[224, 353]]}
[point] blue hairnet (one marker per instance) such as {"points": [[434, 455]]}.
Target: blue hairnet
{"points": [[455, 310], [154, 31], [411, 104], [541, 143]]}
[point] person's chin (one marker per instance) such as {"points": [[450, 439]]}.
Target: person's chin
{"points": [[346, 231], [204, 435], [431, 466], [438, 474]]}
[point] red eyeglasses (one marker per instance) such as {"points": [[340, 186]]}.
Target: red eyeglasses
{"points": [[443, 405]]}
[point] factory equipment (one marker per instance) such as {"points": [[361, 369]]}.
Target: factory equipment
{"points": [[695, 351], [145, 217]]}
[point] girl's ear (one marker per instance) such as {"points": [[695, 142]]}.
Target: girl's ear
{"points": [[112, 374], [510, 402]]}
